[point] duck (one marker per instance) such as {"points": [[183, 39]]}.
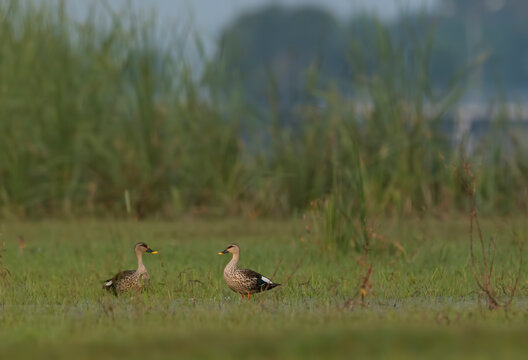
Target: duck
{"points": [[244, 281], [131, 279]]}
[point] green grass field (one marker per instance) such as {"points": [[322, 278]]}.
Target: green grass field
{"points": [[422, 300]]}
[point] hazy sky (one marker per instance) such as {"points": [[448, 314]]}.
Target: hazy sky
{"points": [[211, 16]]}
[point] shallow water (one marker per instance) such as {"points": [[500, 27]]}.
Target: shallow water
{"points": [[304, 304]]}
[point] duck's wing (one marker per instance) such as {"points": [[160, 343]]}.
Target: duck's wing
{"points": [[258, 280], [110, 283]]}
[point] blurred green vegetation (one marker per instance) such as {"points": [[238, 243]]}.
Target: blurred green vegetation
{"points": [[104, 117]]}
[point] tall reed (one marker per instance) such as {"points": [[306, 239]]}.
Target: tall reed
{"points": [[99, 112], [106, 116]]}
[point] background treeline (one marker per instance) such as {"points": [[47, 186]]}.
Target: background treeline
{"points": [[285, 42], [111, 116]]}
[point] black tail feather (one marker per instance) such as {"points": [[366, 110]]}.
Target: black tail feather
{"points": [[269, 286], [110, 287]]}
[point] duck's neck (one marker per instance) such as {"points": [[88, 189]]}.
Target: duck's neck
{"points": [[141, 268], [233, 264]]}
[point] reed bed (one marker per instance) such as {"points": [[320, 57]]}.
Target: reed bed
{"points": [[104, 116]]}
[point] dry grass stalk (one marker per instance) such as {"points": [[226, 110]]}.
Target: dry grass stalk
{"points": [[483, 267]]}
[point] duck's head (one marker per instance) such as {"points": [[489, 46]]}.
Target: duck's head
{"points": [[141, 247], [231, 248]]}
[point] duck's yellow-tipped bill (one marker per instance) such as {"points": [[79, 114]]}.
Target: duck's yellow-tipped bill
{"points": [[154, 252], [220, 253]]}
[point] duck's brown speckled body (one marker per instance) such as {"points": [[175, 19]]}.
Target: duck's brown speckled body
{"points": [[131, 280], [244, 281]]}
